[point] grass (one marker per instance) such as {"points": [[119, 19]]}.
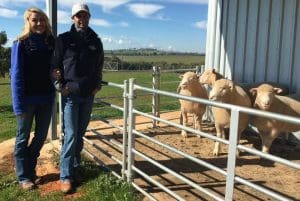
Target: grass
{"points": [[169, 59], [169, 82], [98, 186]]}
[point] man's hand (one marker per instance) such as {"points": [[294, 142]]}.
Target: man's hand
{"points": [[65, 91]]}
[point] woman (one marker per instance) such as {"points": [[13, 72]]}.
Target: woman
{"points": [[32, 92]]}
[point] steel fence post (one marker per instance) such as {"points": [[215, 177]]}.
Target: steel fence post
{"points": [[232, 150], [155, 97], [131, 127], [125, 126]]}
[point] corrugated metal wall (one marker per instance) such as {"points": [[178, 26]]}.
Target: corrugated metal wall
{"points": [[255, 40]]}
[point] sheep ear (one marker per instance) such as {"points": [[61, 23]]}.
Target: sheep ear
{"points": [[213, 70], [253, 91], [180, 76], [277, 90]]}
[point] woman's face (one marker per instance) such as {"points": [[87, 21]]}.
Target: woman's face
{"points": [[37, 23]]}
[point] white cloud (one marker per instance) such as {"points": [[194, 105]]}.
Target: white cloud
{"points": [[122, 40], [170, 48], [7, 3], [124, 24], [107, 5], [188, 1], [107, 39], [100, 22], [144, 10], [63, 17], [151, 45], [201, 24], [7, 13]]}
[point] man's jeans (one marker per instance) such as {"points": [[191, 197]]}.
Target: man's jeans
{"points": [[26, 154], [76, 116]]}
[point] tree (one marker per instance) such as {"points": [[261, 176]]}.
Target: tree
{"points": [[4, 55], [3, 38]]}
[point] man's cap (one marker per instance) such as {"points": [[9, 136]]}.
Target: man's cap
{"points": [[80, 7]]}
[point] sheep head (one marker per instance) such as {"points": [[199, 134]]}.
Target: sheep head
{"points": [[188, 79], [221, 91], [209, 76], [265, 94]]}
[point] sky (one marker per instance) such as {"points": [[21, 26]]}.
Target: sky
{"points": [[170, 25]]}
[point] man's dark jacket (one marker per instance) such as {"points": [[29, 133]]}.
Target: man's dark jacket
{"points": [[80, 57]]}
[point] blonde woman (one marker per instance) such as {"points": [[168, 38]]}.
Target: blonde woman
{"points": [[32, 92]]}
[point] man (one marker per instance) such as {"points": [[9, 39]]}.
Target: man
{"points": [[77, 65]]}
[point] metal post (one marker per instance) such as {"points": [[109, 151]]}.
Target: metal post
{"points": [[198, 70], [232, 150], [51, 7], [125, 123], [131, 126], [155, 97]]}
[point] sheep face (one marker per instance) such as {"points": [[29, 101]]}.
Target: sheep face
{"points": [[188, 79], [207, 77], [265, 94], [221, 90]]}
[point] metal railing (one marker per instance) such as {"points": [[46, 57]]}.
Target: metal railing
{"points": [[129, 153]]}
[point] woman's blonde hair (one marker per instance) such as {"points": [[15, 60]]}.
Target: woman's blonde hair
{"points": [[26, 29]]}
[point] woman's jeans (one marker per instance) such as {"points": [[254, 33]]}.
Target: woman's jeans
{"points": [[76, 116], [26, 154]]}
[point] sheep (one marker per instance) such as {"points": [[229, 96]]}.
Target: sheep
{"points": [[226, 91], [209, 77], [268, 100], [189, 86]]}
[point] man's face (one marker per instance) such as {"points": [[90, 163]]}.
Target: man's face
{"points": [[81, 19]]}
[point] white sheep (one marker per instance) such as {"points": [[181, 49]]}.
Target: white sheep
{"points": [[268, 100], [190, 86], [226, 91]]}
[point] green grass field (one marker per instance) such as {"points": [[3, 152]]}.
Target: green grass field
{"points": [[169, 82], [186, 59], [100, 186]]}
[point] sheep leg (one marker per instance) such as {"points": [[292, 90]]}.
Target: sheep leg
{"points": [[184, 123], [267, 140], [197, 123], [220, 133]]}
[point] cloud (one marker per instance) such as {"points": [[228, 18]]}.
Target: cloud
{"points": [[100, 22], [122, 40], [63, 17], [187, 1], [107, 5], [144, 10], [201, 24], [7, 13], [124, 24], [19, 2]]}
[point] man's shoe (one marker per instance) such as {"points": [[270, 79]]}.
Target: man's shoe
{"points": [[37, 180], [66, 186], [27, 185]]}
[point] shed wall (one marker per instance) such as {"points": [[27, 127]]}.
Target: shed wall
{"points": [[255, 40]]}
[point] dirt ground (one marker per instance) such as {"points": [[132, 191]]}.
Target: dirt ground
{"points": [[273, 176]]}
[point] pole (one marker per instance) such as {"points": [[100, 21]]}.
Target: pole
{"points": [[51, 7]]}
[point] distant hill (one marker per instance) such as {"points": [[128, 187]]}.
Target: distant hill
{"points": [[147, 52]]}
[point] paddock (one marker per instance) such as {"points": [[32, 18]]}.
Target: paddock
{"points": [[162, 165], [272, 175]]}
